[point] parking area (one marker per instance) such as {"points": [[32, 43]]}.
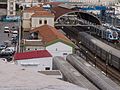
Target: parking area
{"points": [[8, 40]]}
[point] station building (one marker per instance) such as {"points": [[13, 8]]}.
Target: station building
{"points": [[39, 60], [34, 17]]}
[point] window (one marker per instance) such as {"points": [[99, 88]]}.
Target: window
{"points": [[45, 21], [11, 8], [11, 12], [47, 68], [40, 21], [56, 49], [11, 3], [64, 53]]}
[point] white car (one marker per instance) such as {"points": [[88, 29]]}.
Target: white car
{"points": [[8, 51], [6, 29], [14, 32]]}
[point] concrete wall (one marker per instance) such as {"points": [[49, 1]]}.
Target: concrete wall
{"points": [[59, 49]]}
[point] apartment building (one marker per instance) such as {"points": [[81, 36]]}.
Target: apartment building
{"points": [[11, 7]]}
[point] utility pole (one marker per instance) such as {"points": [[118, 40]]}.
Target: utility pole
{"points": [[19, 39]]}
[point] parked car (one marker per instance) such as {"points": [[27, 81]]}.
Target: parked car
{"points": [[14, 32], [6, 29], [8, 51], [2, 46], [14, 40], [7, 43]]}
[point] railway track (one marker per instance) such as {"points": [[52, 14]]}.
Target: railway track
{"points": [[108, 70]]}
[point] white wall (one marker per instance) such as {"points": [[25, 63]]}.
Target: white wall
{"points": [[59, 48], [27, 15], [26, 19], [31, 48], [35, 21], [36, 63], [26, 24]]}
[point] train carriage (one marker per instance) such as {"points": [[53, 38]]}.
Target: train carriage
{"points": [[94, 75], [71, 74], [104, 51], [106, 33]]}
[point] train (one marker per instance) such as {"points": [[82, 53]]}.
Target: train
{"points": [[108, 54], [71, 74], [118, 31], [114, 29], [105, 33], [94, 75], [100, 31]]}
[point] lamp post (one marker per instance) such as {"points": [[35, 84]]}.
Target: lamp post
{"points": [[95, 60], [89, 30], [107, 61], [106, 66], [86, 55], [19, 39]]}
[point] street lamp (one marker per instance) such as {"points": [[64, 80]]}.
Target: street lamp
{"points": [[107, 61], [86, 55], [95, 60], [19, 39], [106, 66]]}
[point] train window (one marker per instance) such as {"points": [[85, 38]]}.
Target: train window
{"points": [[110, 36]]}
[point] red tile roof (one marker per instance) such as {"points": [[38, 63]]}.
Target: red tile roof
{"points": [[32, 54], [50, 34], [43, 13], [58, 11], [33, 9]]}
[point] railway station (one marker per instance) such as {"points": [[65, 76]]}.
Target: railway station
{"points": [[87, 52], [74, 22], [69, 17]]}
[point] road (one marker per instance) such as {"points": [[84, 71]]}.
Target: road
{"points": [[4, 36]]}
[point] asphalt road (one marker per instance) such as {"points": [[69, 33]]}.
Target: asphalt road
{"points": [[4, 36]]}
